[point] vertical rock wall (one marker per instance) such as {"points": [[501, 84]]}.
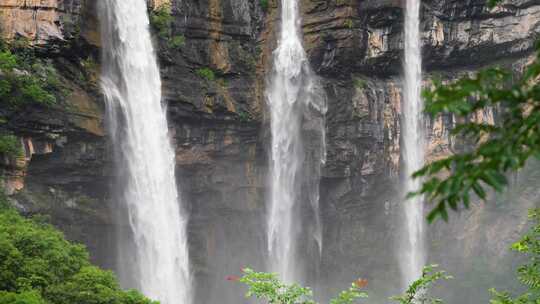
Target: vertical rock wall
{"points": [[220, 129]]}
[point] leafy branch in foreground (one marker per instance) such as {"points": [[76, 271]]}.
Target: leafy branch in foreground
{"points": [[497, 148], [417, 291], [528, 274], [267, 286]]}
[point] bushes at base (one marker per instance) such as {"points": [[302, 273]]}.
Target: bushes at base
{"points": [[38, 265]]}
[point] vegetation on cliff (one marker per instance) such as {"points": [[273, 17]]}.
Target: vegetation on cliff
{"points": [[38, 266], [26, 79], [206, 73], [10, 145], [161, 20]]}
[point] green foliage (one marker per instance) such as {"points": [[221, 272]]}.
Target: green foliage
{"points": [[496, 148], [24, 297], [206, 73], [25, 79], [268, 287], [89, 64], [161, 20], [528, 274], [7, 61], [492, 3], [31, 89], [417, 291], [264, 5], [359, 83], [93, 285], [177, 42], [37, 265], [10, 146], [243, 116], [506, 298], [23, 51], [349, 296], [71, 25]]}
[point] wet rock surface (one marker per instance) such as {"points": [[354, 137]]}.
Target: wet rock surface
{"points": [[220, 129]]}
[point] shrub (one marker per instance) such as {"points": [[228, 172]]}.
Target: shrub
{"points": [[264, 5], [529, 273], [31, 89], [177, 42], [161, 19], [359, 83], [206, 73], [26, 80], [10, 146], [37, 265], [8, 61], [417, 291], [243, 116], [268, 287], [25, 297]]}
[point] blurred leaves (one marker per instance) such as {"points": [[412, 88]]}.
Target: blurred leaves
{"points": [[417, 291], [267, 286], [494, 149], [528, 274]]}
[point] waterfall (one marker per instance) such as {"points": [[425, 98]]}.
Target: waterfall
{"points": [[413, 256], [145, 158], [296, 103]]}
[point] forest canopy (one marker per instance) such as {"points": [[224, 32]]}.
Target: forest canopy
{"points": [[39, 266]]}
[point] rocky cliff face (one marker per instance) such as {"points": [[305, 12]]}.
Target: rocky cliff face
{"points": [[220, 128], [64, 170]]}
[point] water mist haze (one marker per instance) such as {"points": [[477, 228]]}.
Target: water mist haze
{"points": [[279, 207]]}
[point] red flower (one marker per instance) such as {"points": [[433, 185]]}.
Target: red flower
{"points": [[361, 283], [232, 278]]}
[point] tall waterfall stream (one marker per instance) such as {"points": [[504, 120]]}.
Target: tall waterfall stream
{"points": [[412, 247], [292, 93], [145, 158]]}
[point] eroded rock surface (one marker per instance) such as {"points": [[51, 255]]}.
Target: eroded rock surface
{"points": [[219, 125]]}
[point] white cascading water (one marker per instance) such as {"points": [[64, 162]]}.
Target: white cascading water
{"points": [[292, 92], [412, 253], [146, 161]]}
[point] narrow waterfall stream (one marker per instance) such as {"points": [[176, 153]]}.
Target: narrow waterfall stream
{"points": [[145, 158], [293, 92], [413, 248]]}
